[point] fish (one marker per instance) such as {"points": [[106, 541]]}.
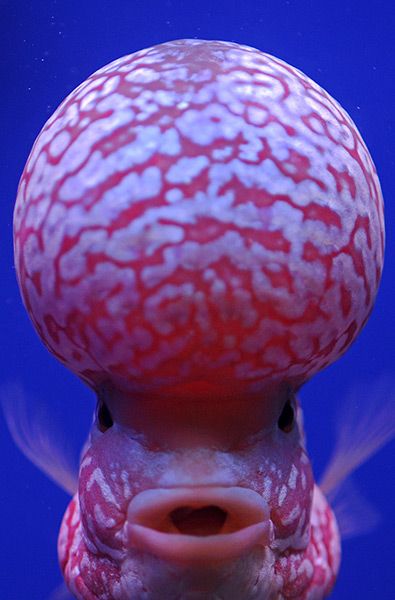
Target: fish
{"points": [[198, 231]]}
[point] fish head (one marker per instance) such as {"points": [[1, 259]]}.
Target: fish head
{"points": [[207, 514]]}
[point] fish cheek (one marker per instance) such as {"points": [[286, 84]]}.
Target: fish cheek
{"points": [[102, 494], [114, 468], [291, 500]]}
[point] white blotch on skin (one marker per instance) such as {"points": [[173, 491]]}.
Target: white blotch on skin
{"points": [[294, 514], [293, 477], [59, 144], [282, 495], [186, 169], [267, 488], [86, 462], [98, 477], [222, 153], [102, 520], [126, 485], [256, 115], [174, 195], [307, 568], [142, 75], [75, 519]]}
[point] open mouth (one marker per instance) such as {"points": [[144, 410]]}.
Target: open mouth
{"points": [[208, 520], [198, 524]]}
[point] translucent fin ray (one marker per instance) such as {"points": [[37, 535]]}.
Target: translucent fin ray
{"points": [[355, 515], [61, 593], [365, 423], [34, 435]]}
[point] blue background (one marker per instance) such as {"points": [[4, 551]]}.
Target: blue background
{"points": [[47, 49]]}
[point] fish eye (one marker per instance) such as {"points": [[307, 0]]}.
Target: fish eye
{"points": [[103, 417], [287, 418]]}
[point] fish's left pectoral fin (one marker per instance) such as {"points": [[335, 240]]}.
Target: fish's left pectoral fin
{"points": [[355, 515], [365, 423]]}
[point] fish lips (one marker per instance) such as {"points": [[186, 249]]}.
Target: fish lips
{"points": [[198, 524]]}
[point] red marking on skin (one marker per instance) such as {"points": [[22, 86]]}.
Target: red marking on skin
{"points": [[361, 223], [349, 335], [36, 280], [52, 328], [346, 301], [343, 180], [311, 252], [316, 212], [77, 355], [297, 167]]}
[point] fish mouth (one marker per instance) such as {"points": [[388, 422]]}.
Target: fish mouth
{"points": [[198, 524]]}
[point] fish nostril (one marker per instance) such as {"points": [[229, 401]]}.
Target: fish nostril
{"points": [[207, 520]]}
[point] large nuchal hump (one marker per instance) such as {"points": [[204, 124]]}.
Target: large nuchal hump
{"points": [[198, 218]]}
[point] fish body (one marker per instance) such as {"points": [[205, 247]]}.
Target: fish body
{"points": [[198, 230]]}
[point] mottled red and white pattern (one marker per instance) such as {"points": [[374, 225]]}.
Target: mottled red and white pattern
{"points": [[198, 217], [198, 230]]}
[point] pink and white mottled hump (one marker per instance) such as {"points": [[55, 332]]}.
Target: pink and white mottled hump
{"points": [[195, 213]]}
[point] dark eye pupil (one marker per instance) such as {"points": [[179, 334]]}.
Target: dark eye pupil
{"points": [[286, 420], [104, 418]]}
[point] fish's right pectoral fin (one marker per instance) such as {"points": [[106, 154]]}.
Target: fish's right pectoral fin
{"points": [[61, 593], [34, 435]]}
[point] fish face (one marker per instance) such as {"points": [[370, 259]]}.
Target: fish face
{"points": [[155, 521]]}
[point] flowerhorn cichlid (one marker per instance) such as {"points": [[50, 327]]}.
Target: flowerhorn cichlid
{"points": [[198, 231]]}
